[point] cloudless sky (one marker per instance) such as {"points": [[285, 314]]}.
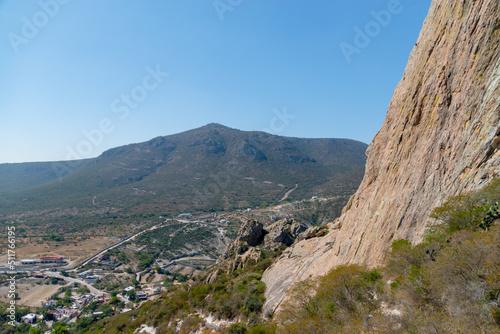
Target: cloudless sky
{"points": [[65, 67]]}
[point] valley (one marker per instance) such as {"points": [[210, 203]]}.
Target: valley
{"points": [[152, 260], [216, 230]]}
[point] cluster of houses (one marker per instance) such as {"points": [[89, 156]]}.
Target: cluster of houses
{"points": [[90, 276], [140, 295], [144, 294], [64, 313], [67, 313]]}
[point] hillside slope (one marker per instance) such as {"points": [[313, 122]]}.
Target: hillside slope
{"points": [[20, 176], [212, 167], [440, 137]]}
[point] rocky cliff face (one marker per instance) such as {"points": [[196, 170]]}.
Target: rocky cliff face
{"points": [[253, 237], [441, 136]]}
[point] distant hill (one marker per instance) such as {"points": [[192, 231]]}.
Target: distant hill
{"points": [[212, 167], [19, 176]]}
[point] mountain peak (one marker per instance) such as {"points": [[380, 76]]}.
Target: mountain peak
{"points": [[215, 126], [180, 171]]}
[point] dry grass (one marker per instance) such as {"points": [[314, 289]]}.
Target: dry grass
{"points": [[75, 249], [30, 294]]}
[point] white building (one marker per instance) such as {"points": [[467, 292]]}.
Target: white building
{"points": [[130, 288], [30, 318]]}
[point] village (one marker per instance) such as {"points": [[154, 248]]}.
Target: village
{"points": [[77, 297], [82, 292], [78, 294], [102, 285]]}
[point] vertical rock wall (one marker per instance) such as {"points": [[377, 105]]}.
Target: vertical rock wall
{"points": [[440, 137]]}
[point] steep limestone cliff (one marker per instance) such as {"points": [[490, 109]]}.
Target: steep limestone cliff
{"points": [[440, 137]]}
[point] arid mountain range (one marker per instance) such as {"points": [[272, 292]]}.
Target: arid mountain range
{"points": [[210, 168]]}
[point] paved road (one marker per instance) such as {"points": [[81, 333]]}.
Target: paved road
{"points": [[115, 245], [75, 280]]}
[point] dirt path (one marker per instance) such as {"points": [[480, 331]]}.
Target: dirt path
{"points": [[288, 193]]}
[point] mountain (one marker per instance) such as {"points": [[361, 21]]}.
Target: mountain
{"points": [[440, 138], [212, 167]]}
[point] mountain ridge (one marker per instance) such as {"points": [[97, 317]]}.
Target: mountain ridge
{"points": [[211, 167]]}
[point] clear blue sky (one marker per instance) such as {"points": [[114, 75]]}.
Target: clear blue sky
{"points": [[67, 67]]}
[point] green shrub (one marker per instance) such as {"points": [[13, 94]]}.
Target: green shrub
{"points": [[468, 211], [341, 297], [491, 215], [495, 312], [253, 303], [238, 329], [400, 244], [264, 328], [372, 276], [263, 265]]}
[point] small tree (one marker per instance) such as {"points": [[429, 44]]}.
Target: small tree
{"points": [[60, 329], [131, 295], [114, 301], [84, 322], [83, 290]]}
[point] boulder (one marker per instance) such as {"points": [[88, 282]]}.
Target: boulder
{"points": [[284, 231], [251, 232]]}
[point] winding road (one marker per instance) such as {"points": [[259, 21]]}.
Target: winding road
{"points": [[75, 280], [288, 193]]}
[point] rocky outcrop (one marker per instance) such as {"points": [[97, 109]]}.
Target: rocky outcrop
{"points": [[284, 231], [317, 231], [251, 233], [440, 137], [253, 237]]}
